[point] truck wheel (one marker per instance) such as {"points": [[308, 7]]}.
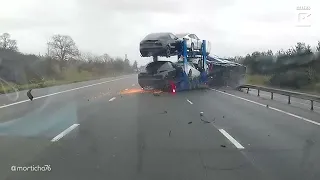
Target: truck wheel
{"points": [[168, 51], [189, 74]]}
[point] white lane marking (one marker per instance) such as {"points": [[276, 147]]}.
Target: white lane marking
{"points": [[189, 101], [231, 139], [60, 92], [65, 132], [279, 110], [112, 99]]}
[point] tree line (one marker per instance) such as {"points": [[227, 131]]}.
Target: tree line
{"points": [[62, 61], [297, 67]]}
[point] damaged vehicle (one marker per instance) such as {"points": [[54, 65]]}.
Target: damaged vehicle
{"points": [[160, 44], [159, 74], [222, 72]]}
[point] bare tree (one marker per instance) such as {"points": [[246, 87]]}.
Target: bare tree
{"points": [[62, 47], [7, 43], [135, 65], [318, 46], [106, 57]]}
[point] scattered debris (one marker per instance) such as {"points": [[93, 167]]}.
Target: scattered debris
{"points": [[201, 113], [165, 112], [30, 95], [204, 121], [223, 146], [169, 133], [222, 116], [190, 122], [88, 99], [268, 134], [224, 91]]}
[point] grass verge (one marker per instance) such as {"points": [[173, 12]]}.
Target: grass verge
{"points": [[69, 77], [261, 80]]}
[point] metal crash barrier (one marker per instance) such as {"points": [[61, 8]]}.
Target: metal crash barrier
{"points": [[288, 93]]}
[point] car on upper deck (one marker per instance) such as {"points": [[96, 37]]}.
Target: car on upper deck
{"points": [[194, 42], [163, 44]]}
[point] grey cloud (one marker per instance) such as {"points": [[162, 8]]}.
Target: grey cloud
{"points": [[155, 6], [116, 26], [272, 17], [11, 24]]}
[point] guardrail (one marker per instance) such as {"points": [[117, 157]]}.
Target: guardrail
{"points": [[290, 94]]}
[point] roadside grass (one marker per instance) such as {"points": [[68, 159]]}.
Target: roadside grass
{"points": [[71, 76], [257, 79], [262, 80]]}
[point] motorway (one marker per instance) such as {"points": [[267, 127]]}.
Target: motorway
{"points": [[111, 129]]}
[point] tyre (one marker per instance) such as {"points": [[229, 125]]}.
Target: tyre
{"points": [[196, 83], [168, 51], [190, 74], [143, 54], [192, 47]]}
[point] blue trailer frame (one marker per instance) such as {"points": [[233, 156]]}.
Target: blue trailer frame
{"points": [[184, 82]]}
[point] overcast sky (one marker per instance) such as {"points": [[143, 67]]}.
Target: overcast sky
{"points": [[234, 27]]}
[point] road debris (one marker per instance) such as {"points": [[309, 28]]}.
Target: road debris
{"points": [[164, 112], [30, 95], [223, 146], [156, 94], [190, 122], [201, 113], [169, 133], [204, 121], [222, 116]]}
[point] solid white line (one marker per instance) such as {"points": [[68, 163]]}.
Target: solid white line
{"points": [[231, 139], [279, 110], [65, 132], [112, 99], [189, 101], [52, 94]]}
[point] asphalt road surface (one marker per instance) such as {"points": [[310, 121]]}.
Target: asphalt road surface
{"points": [[110, 129]]}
